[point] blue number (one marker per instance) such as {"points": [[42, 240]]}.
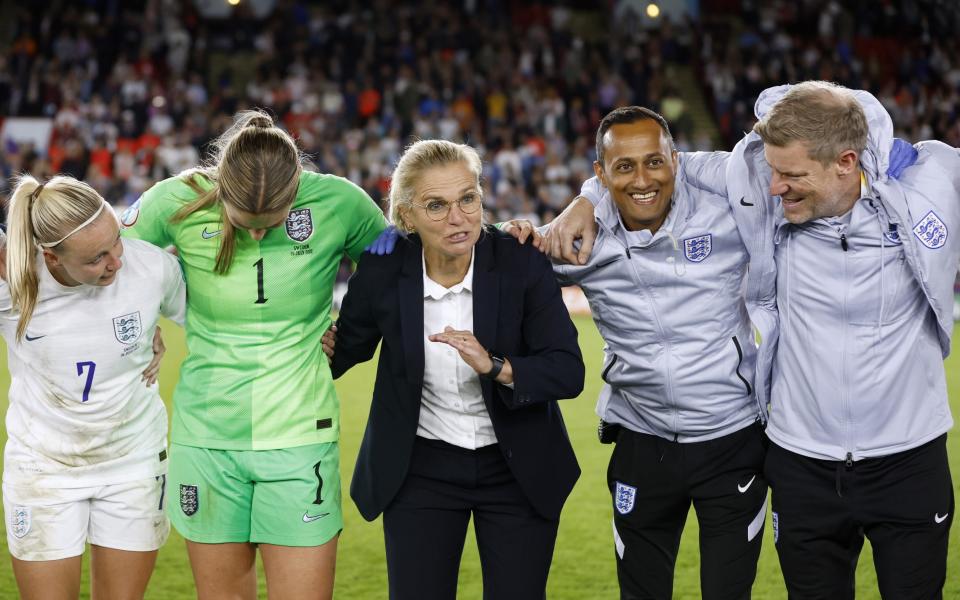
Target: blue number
{"points": [[89, 383]]}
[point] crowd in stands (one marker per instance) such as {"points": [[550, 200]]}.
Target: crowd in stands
{"points": [[136, 89], [906, 52]]}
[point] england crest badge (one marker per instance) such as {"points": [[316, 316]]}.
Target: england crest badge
{"points": [[299, 225], [20, 521], [623, 497], [697, 249], [127, 328], [189, 499], [931, 231]]}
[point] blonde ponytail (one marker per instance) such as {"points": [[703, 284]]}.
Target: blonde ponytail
{"points": [[22, 252], [41, 214]]}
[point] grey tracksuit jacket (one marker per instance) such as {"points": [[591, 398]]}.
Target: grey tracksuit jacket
{"points": [[679, 355], [853, 340]]}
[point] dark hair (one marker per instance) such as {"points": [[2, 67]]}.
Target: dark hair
{"points": [[629, 114]]}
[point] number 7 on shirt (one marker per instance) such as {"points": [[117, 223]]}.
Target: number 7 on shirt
{"points": [[89, 383]]}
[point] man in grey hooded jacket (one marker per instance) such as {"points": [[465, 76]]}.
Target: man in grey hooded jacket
{"points": [[665, 285], [850, 285]]}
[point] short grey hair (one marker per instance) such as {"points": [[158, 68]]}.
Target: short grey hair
{"points": [[823, 115], [417, 158]]}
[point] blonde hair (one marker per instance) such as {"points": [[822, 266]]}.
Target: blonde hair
{"points": [[417, 158], [41, 214], [255, 167], [823, 115]]}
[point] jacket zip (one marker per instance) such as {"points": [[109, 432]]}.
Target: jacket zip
{"points": [[746, 383], [603, 375], [663, 337], [844, 400]]}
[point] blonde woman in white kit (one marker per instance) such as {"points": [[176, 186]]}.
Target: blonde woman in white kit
{"points": [[85, 460]]}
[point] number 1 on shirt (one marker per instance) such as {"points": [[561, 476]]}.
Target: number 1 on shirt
{"points": [[259, 266], [89, 383]]}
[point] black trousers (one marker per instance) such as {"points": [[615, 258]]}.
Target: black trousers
{"points": [[426, 524], [653, 481], [823, 509]]}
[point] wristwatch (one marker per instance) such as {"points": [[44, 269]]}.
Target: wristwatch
{"points": [[497, 365]]}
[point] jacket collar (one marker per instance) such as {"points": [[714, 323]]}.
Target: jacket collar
{"points": [[486, 295]]}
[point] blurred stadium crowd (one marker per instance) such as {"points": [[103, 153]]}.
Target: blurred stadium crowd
{"points": [[137, 88]]}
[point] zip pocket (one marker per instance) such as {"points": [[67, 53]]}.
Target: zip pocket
{"points": [[603, 375], [746, 383]]}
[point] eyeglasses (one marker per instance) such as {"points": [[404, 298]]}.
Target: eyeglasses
{"points": [[438, 209]]}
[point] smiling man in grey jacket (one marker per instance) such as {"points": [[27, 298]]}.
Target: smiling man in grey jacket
{"points": [[851, 270], [665, 285]]}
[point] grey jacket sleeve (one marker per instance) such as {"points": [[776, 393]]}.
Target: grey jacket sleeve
{"points": [[705, 170]]}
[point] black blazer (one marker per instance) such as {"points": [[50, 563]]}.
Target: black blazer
{"points": [[517, 312]]}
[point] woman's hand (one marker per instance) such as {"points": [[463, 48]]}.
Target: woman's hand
{"points": [[329, 342], [472, 353], [467, 345], [152, 371]]}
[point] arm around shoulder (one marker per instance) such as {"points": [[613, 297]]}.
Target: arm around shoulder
{"points": [[706, 171], [357, 331], [174, 304]]}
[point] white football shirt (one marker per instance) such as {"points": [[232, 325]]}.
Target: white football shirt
{"points": [[79, 413]]}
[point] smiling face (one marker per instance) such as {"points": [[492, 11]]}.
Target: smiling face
{"points": [[91, 256], [453, 236], [639, 169], [810, 190]]}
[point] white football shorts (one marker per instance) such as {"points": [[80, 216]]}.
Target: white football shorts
{"points": [[52, 523]]}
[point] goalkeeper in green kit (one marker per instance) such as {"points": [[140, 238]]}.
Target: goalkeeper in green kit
{"points": [[254, 458]]}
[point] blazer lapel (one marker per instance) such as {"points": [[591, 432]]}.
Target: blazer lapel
{"points": [[410, 290], [486, 293]]}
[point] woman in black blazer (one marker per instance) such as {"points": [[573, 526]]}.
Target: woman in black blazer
{"points": [[477, 346]]}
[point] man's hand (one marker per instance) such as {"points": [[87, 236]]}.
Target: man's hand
{"points": [[522, 229], [575, 222], [329, 342], [150, 374]]}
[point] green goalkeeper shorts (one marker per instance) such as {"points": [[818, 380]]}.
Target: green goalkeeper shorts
{"points": [[287, 497]]}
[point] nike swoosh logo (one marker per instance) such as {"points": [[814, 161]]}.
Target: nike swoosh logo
{"points": [[30, 339], [743, 202], [939, 519], [308, 518], [744, 488], [207, 235]]}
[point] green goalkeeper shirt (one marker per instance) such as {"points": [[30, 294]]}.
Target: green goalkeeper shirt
{"points": [[255, 376]]}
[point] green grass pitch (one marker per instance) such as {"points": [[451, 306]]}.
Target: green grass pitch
{"points": [[583, 566]]}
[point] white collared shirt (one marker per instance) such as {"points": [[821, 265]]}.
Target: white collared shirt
{"points": [[451, 402]]}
